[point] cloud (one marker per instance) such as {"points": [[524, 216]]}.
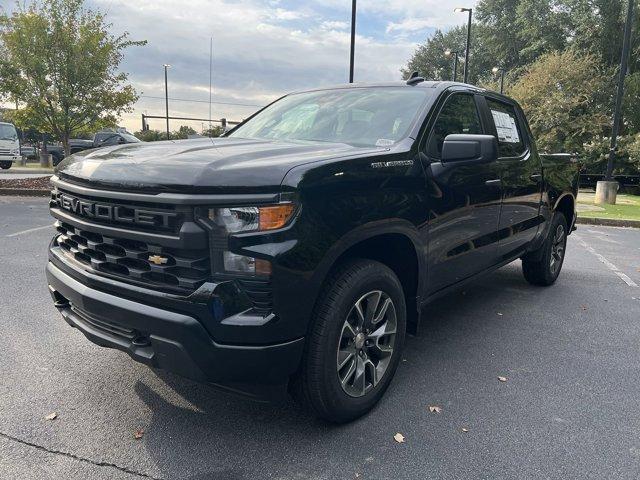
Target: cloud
{"points": [[262, 49]]}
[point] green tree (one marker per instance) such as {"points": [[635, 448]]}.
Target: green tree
{"points": [[566, 101], [214, 131], [150, 135], [430, 61], [61, 61], [183, 132]]}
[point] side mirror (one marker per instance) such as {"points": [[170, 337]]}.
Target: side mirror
{"points": [[468, 148]]}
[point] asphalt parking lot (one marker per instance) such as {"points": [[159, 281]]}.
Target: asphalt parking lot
{"points": [[570, 407]]}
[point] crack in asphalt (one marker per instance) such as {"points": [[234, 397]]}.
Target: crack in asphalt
{"points": [[76, 457]]}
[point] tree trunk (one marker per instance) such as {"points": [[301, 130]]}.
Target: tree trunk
{"points": [[66, 145]]}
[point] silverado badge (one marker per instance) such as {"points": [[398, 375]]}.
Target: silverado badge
{"points": [[158, 260]]}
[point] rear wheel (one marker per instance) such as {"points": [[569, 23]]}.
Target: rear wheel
{"points": [[355, 343], [543, 267], [5, 165]]}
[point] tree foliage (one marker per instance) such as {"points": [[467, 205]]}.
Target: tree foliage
{"points": [[561, 58], [60, 61], [566, 100]]}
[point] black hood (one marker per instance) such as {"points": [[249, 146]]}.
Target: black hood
{"points": [[201, 165]]}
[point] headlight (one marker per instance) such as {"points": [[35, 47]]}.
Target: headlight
{"points": [[246, 219], [15, 151], [229, 220]]}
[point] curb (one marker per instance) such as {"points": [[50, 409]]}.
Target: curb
{"points": [[608, 222], [24, 192], [22, 171]]}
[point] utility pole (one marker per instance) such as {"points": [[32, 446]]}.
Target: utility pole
{"points": [[166, 96], [353, 39], [607, 190], [210, 77], [448, 53], [468, 49]]}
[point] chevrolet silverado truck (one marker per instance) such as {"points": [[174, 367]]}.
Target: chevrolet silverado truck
{"points": [[295, 253]]}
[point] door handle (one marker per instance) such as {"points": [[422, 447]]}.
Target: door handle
{"points": [[536, 177], [493, 183]]}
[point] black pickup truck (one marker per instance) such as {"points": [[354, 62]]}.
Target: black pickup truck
{"points": [[298, 250]]}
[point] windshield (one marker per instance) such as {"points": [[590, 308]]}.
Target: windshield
{"points": [[8, 132], [372, 116]]}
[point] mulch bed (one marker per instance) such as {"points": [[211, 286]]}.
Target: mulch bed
{"points": [[41, 183]]}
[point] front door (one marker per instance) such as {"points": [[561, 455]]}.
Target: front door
{"points": [[520, 171], [464, 200]]}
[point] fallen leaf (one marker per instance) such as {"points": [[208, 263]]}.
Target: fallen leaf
{"points": [[584, 307], [435, 409], [138, 434], [398, 437], [464, 430], [51, 416], [502, 379]]}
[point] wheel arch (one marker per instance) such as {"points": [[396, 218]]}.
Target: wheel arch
{"points": [[566, 204], [397, 246]]}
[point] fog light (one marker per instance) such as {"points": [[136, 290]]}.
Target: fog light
{"points": [[243, 264]]}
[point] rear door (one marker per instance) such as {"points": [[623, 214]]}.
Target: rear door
{"points": [[520, 170], [464, 200]]}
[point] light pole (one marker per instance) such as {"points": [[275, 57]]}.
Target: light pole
{"points": [[166, 95], [623, 72], [448, 53], [466, 52], [353, 39], [501, 70]]}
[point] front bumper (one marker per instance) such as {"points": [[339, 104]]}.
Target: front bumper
{"points": [[171, 340]]}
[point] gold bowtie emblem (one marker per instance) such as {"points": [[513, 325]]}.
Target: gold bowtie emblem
{"points": [[158, 260]]}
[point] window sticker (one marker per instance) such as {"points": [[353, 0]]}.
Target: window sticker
{"points": [[506, 127], [383, 142]]}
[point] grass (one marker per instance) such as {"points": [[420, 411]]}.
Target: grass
{"points": [[627, 207]]}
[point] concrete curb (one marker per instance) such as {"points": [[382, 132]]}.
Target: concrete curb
{"points": [[22, 171], [24, 192], [608, 222]]}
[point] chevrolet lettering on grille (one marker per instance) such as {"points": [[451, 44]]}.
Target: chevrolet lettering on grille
{"points": [[115, 213]]}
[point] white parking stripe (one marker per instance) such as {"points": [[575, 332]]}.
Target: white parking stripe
{"points": [[611, 266], [29, 231]]}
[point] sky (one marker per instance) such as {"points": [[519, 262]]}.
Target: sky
{"points": [[262, 49]]}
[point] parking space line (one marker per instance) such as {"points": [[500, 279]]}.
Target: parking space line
{"points": [[625, 278], [28, 231]]}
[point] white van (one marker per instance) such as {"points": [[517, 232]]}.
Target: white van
{"points": [[9, 145]]}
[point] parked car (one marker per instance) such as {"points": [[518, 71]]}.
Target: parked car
{"points": [[100, 139], [9, 145], [28, 151], [297, 251]]}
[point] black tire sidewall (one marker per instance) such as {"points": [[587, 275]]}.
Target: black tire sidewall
{"points": [[558, 219], [370, 276]]}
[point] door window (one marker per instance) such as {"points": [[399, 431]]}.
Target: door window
{"points": [[459, 115], [510, 138]]}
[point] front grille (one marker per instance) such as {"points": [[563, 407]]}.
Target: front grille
{"points": [[259, 292], [4, 151], [181, 269]]}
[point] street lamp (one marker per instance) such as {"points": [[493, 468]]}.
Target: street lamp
{"points": [[166, 95], [448, 53], [466, 52], [606, 191], [353, 39], [502, 71]]}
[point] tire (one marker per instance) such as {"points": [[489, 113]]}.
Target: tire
{"points": [[543, 266], [369, 353], [5, 165]]}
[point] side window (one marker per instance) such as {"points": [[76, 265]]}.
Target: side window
{"points": [[510, 139], [459, 115]]}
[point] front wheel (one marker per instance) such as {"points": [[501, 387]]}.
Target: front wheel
{"points": [[543, 267], [355, 343], [5, 165]]}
